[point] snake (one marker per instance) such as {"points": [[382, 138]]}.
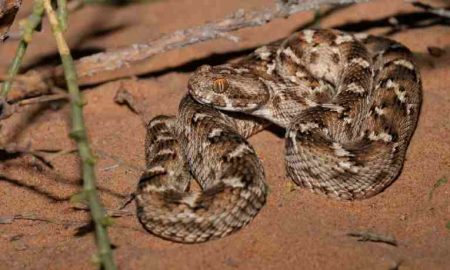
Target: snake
{"points": [[348, 102]]}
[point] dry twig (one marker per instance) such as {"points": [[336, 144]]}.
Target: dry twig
{"points": [[117, 59], [42, 99], [124, 97], [32, 217], [120, 162], [373, 237], [443, 12], [104, 62], [43, 155]]}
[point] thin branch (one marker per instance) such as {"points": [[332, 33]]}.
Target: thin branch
{"points": [[8, 108], [46, 156], [373, 237], [124, 57], [14, 150], [119, 161], [443, 12], [79, 134], [42, 99], [117, 59], [70, 7], [34, 20], [32, 217]]}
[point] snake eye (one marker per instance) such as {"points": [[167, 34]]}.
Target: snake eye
{"points": [[220, 85]]}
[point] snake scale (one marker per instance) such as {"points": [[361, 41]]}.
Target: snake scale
{"points": [[349, 104]]}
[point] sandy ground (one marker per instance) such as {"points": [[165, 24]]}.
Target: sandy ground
{"points": [[295, 230]]}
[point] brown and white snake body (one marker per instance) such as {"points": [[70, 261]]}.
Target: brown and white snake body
{"points": [[349, 104]]}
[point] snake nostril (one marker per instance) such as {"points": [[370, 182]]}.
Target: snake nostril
{"points": [[220, 85]]}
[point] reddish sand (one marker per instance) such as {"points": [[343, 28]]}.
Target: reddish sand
{"points": [[295, 230]]}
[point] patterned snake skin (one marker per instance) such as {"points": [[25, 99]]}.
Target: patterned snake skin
{"points": [[349, 104]]}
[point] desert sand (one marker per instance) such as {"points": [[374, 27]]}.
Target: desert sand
{"points": [[295, 230]]}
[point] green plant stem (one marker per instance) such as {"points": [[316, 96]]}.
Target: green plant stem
{"points": [[79, 134], [34, 20], [62, 14]]}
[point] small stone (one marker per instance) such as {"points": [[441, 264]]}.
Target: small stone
{"points": [[435, 51]]}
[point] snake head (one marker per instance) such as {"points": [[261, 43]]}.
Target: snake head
{"points": [[228, 88]]}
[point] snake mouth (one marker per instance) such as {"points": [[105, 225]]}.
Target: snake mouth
{"points": [[222, 103]]}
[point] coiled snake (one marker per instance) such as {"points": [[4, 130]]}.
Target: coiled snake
{"points": [[349, 104]]}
